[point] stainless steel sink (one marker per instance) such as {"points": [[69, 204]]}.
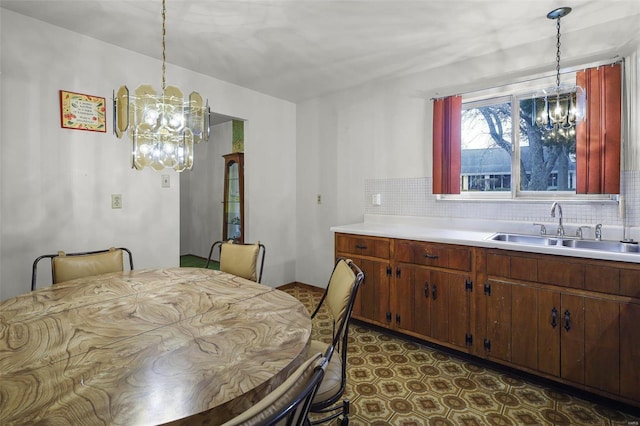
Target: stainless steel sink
{"points": [[539, 240], [544, 240], [612, 246]]}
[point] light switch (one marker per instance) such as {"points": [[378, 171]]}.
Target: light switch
{"points": [[166, 181]]}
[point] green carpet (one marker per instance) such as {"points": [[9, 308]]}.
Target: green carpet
{"points": [[189, 260]]}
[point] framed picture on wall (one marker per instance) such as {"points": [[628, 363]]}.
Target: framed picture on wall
{"points": [[82, 112]]}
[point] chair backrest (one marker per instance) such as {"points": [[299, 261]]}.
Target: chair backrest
{"points": [[243, 260], [340, 297], [289, 403], [69, 266]]}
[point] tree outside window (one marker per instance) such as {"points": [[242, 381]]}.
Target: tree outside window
{"points": [[546, 160]]}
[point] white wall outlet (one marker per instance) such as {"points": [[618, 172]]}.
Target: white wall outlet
{"points": [[319, 199], [166, 181], [116, 201], [376, 199]]}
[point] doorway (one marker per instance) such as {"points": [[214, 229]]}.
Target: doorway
{"points": [[202, 190]]}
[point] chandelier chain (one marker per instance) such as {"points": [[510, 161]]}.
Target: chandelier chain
{"points": [[164, 48], [557, 53]]}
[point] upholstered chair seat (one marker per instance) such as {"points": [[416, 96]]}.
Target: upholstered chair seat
{"points": [[338, 299], [332, 380], [289, 403], [71, 266], [242, 260], [67, 268]]}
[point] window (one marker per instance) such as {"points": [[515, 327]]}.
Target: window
{"points": [[496, 148], [545, 160]]}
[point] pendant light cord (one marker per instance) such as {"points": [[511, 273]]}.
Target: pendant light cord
{"points": [[164, 33]]}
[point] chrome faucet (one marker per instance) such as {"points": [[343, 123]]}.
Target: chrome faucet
{"points": [[579, 231], [543, 229], [555, 204], [598, 232]]}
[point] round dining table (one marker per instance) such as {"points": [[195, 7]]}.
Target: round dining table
{"points": [[146, 347]]}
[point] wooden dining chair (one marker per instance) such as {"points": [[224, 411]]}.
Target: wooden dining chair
{"points": [[69, 266], [339, 298], [289, 403], [243, 260]]}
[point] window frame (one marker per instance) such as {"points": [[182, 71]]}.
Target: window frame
{"points": [[514, 93]]}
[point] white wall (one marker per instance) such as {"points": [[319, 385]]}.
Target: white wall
{"points": [[202, 193], [382, 130], [56, 183]]}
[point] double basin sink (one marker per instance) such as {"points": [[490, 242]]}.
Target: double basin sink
{"points": [[548, 240]]}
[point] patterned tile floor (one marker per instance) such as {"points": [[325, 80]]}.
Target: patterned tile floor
{"points": [[392, 381]]}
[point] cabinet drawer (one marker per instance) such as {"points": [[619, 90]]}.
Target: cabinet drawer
{"points": [[561, 272], [603, 279], [363, 246], [428, 254], [630, 282], [507, 266]]}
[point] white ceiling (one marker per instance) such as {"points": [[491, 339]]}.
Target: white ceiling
{"points": [[300, 49]]}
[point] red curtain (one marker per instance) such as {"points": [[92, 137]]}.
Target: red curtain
{"points": [[598, 137], [447, 144]]}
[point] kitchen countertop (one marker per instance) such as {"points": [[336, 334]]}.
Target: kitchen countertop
{"points": [[434, 230]]}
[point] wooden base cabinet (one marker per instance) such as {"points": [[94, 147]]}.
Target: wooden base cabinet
{"points": [[433, 305], [431, 291], [567, 332], [630, 350], [573, 320], [372, 255], [372, 302], [417, 288]]}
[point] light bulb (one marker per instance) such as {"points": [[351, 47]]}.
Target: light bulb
{"points": [[150, 116]]}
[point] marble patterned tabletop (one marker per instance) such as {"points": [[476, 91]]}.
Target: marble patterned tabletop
{"points": [[146, 347]]}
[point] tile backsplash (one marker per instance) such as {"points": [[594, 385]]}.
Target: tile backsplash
{"points": [[413, 197]]}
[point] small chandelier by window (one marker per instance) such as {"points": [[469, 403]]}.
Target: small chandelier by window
{"points": [[561, 107], [162, 127]]}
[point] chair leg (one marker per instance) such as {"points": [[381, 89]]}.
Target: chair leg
{"points": [[345, 413], [339, 410]]}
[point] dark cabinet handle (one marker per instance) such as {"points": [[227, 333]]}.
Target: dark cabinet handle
{"points": [[434, 292], [397, 272], [361, 247], [426, 290], [431, 256], [398, 319], [554, 316], [567, 320]]}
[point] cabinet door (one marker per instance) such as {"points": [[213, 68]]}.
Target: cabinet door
{"points": [[524, 326], [459, 309], [512, 323], [630, 351], [602, 344], [372, 301], [590, 342], [549, 327], [421, 301], [432, 303], [497, 341], [403, 301], [439, 289], [572, 340], [520, 326]]}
